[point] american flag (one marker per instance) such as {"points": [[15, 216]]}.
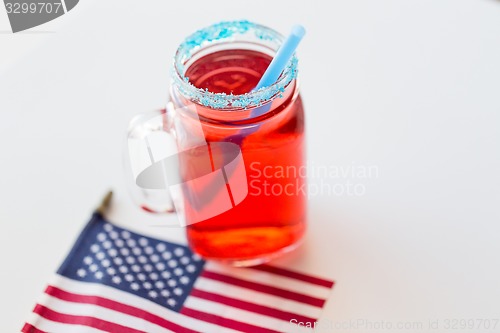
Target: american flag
{"points": [[115, 280]]}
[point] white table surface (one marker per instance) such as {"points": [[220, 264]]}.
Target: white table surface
{"points": [[409, 87]]}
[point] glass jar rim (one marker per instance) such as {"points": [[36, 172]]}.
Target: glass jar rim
{"points": [[226, 32]]}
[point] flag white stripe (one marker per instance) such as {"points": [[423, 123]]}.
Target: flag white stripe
{"points": [[91, 310], [257, 297], [241, 315], [94, 289], [271, 279], [50, 326], [54, 327]]}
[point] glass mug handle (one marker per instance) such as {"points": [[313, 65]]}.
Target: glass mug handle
{"points": [[149, 141]]}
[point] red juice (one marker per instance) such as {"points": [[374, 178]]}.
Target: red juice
{"points": [[271, 219]]}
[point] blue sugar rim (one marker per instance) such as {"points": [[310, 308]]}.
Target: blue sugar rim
{"points": [[220, 32]]}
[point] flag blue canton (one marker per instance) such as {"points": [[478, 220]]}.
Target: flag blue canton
{"points": [[159, 271]]}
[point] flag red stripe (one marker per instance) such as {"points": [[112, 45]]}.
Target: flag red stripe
{"points": [[294, 275], [28, 328], [318, 302], [226, 322], [100, 324], [261, 309], [117, 306]]}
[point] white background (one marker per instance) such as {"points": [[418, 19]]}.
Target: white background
{"points": [[412, 87]]}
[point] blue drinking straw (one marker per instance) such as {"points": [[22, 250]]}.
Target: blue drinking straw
{"points": [[271, 75], [282, 57], [278, 64]]}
